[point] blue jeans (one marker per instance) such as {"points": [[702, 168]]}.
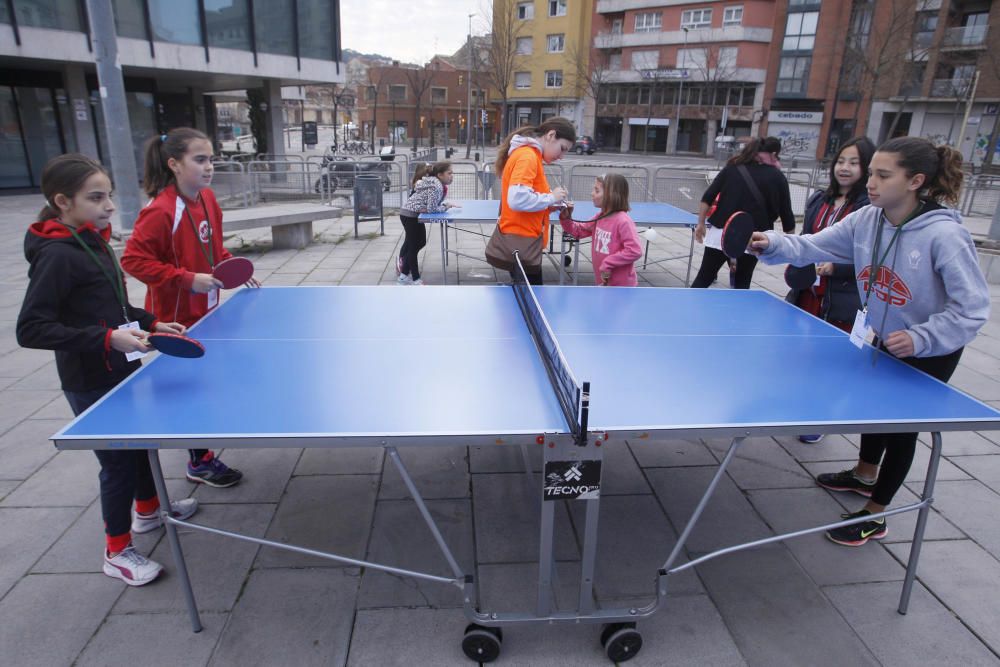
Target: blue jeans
{"points": [[125, 474]]}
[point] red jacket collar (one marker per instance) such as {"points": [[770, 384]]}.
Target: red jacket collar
{"points": [[173, 191], [53, 229]]}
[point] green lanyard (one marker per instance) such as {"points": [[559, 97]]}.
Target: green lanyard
{"points": [[210, 253], [117, 280], [875, 266]]}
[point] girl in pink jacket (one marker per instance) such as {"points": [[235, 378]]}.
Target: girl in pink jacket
{"points": [[616, 243]]}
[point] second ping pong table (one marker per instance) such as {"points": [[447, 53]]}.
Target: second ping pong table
{"points": [[484, 212], [310, 367]]}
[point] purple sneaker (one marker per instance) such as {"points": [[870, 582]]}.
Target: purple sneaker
{"points": [[213, 473]]}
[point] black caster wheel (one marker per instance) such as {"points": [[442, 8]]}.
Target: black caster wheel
{"points": [[567, 260], [621, 641], [482, 644]]}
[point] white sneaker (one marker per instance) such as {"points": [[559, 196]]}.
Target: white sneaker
{"points": [[179, 509], [418, 281], [131, 567], [404, 279]]}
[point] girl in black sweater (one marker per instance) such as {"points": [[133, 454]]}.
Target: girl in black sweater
{"points": [[751, 181], [77, 306]]}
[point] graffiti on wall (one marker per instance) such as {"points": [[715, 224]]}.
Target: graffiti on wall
{"points": [[798, 142]]}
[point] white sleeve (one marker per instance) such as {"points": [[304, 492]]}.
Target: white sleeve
{"points": [[523, 198]]}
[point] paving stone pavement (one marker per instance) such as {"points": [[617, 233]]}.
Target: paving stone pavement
{"points": [[807, 602]]}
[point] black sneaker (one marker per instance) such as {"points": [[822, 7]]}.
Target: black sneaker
{"points": [[858, 533], [213, 473], [845, 480]]}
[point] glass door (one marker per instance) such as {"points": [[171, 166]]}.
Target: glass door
{"points": [[14, 171]]}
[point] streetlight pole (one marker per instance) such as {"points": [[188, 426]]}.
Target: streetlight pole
{"points": [[680, 93], [468, 96]]}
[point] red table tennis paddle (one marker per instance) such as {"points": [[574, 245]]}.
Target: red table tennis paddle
{"points": [[800, 277], [736, 234], [176, 345], [233, 272]]}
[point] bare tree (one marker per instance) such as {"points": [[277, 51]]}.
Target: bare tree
{"points": [[420, 79], [502, 58], [715, 67], [376, 78], [992, 62], [876, 51], [586, 74]]}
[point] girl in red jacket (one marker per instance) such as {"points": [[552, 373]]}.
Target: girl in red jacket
{"points": [[176, 243], [77, 305]]}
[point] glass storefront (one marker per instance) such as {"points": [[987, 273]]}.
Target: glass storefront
{"points": [[228, 24], [30, 134], [175, 21], [54, 14], [130, 20]]}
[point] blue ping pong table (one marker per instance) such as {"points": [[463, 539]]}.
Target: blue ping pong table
{"points": [[308, 367], [485, 211]]}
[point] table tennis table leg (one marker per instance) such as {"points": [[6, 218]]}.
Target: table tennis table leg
{"points": [[444, 252], [424, 512], [591, 523], [174, 540], [687, 277], [918, 533], [576, 263], [546, 560], [702, 503]]}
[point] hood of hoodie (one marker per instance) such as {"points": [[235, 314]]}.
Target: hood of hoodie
{"points": [[44, 232], [520, 140], [427, 183], [932, 213]]}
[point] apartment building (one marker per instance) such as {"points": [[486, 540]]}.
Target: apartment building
{"points": [[400, 103], [671, 76], [947, 86], [551, 40], [173, 53]]}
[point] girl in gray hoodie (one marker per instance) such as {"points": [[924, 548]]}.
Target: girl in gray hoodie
{"points": [[921, 289]]}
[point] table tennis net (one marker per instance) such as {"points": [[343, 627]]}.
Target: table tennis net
{"points": [[568, 390]]}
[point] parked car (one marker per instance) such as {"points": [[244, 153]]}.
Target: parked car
{"points": [[584, 144], [338, 174]]}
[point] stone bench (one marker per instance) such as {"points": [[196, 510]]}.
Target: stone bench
{"points": [[291, 224]]}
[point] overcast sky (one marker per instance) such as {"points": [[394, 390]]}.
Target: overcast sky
{"points": [[410, 30]]}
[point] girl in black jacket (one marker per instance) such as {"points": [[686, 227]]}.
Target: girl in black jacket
{"points": [[835, 297], [751, 181], [76, 305]]}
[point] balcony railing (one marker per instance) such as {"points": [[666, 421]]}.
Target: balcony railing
{"points": [[957, 88], [965, 36]]}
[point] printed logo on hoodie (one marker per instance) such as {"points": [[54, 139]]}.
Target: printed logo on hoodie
{"points": [[885, 282], [203, 233]]}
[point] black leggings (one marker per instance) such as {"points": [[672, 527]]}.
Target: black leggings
{"points": [[125, 474], [895, 450], [413, 243], [713, 260]]}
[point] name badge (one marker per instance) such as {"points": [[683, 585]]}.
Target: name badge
{"points": [[132, 356], [860, 331], [213, 299]]}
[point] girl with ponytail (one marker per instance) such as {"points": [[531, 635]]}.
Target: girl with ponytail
{"points": [[921, 289], [525, 196]]}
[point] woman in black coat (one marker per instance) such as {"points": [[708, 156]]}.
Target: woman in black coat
{"points": [[751, 181]]}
